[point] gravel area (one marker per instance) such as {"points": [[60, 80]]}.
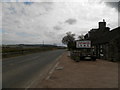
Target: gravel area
{"points": [[83, 74]]}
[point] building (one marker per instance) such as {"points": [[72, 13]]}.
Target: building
{"points": [[106, 42]]}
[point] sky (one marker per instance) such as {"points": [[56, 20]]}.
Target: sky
{"points": [[28, 22]]}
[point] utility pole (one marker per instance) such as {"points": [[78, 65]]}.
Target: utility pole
{"points": [[43, 42]]}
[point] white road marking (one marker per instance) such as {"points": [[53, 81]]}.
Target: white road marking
{"points": [[50, 71]]}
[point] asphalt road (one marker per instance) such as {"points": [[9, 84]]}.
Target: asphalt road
{"points": [[19, 72]]}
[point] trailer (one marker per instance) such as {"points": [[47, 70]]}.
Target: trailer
{"points": [[83, 51]]}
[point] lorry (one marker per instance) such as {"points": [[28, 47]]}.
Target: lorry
{"points": [[83, 51]]}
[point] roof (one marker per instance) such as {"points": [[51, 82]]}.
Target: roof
{"points": [[107, 36]]}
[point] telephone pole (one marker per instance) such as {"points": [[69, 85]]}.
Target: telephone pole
{"points": [[43, 42]]}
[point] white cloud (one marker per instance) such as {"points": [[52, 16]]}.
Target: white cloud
{"points": [[59, 0], [0, 23], [37, 20]]}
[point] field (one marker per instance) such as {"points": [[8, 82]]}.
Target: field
{"points": [[17, 51]]}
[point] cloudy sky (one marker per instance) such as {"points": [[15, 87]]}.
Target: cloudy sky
{"points": [[35, 22]]}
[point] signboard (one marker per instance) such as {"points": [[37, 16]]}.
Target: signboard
{"points": [[83, 44]]}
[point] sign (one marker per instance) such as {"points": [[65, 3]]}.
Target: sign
{"points": [[83, 44]]}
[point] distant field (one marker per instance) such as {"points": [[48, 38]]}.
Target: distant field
{"points": [[17, 51]]}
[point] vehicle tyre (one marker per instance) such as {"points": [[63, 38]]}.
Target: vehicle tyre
{"points": [[94, 59], [77, 59]]}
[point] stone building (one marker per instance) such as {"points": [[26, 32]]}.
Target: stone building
{"points": [[106, 42]]}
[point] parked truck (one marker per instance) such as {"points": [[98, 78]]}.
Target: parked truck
{"points": [[83, 51]]}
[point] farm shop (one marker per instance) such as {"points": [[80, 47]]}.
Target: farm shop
{"points": [[83, 44]]}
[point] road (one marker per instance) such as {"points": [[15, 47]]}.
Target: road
{"points": [[20, 72]]}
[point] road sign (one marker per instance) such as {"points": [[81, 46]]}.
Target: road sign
{"points": [[83, 44]]}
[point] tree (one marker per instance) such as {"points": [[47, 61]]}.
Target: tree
{"points": [[81, 37], [69, 40]]}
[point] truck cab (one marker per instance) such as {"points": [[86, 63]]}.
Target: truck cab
{"points": [[83, 51]]}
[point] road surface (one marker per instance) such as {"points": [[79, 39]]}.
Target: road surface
{"points": [[20, 72]]}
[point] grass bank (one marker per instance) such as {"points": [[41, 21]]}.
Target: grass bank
{"points": [[16, 51]]}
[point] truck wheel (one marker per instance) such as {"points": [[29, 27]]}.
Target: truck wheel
{"points": [[94, 59], [77, 59]]}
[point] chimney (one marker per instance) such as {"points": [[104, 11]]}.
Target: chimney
{"points": [[102, 25]]}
